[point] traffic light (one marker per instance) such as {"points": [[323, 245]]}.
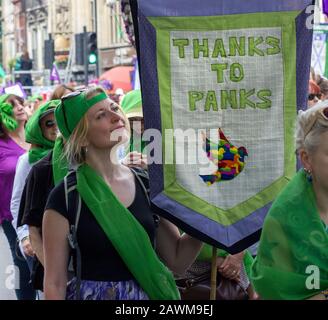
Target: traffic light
{"points": [[92, 50], [79, 49]]}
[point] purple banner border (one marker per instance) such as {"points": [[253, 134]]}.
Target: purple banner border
{"points": [[174, 8], [215, 231]]}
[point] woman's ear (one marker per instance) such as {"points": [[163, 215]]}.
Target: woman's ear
{"points": [[305, 159], [84, 143]]}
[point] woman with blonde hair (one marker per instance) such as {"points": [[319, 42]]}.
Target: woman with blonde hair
{"points": [[291, 261], [116, 229]]}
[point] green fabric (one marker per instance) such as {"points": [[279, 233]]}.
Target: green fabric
{"points": [[293, 238], [132, 103], [59, 164], [132, 107], [35, 98], [137, 145], [33, 133], [7, 117], [206, 255], [69, 113], [127, 236]]}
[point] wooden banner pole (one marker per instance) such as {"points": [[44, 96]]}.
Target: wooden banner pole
{"points": [[213, 274]]}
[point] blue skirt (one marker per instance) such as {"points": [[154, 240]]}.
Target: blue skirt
{"points": [[106, 290]]}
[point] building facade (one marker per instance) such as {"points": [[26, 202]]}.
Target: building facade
{"points": [[26, 24], [8, 33]]}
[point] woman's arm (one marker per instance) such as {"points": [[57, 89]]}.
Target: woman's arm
{"points": [[22, 170], [319, 296], [36, 242], [56, 254], [177, 251]]}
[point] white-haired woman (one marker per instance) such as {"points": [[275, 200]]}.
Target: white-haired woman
{"points": [[292, 257]]}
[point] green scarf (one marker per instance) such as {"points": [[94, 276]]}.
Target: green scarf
{"points": [[7, 117], [59, 165], [293, 238], [127, 236], [33, 133]]}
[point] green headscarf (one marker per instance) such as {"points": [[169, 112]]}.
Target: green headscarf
{"points": [[35, 98], [132, 104], [132, 107], [7, 113], [127, 236], [293, 239], [125, 233], [33, 132]]}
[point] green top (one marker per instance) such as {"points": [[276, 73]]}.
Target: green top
{"points": [[126, 234], [293, 242], [33, 132]]}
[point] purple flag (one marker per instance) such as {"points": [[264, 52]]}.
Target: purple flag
{"points": [[54, 75], [325, 6]]}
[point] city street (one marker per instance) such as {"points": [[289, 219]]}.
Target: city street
{"points": [[5, 261]]}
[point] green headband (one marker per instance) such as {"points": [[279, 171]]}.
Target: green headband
{"points": [[72, 109], [7, 117]]}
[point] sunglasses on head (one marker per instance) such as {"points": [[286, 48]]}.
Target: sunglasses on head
{"points": [[72, 94], [322, 113], [50, 123], [312, 96]]}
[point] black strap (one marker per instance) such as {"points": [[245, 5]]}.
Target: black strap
{"points": [[73, 206], [143, 179]]}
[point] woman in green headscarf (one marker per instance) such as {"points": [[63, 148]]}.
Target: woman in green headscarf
{"points": [[117, 229], [292, 259], [12, 145], [40, 132]]}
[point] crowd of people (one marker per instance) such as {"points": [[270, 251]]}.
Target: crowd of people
{"points": [[80, 225]]}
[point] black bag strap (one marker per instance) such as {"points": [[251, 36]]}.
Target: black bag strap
{"points": [[143, 179], [73, 206]]}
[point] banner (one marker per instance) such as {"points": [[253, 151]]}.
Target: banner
{"points": [[222, 81]]}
